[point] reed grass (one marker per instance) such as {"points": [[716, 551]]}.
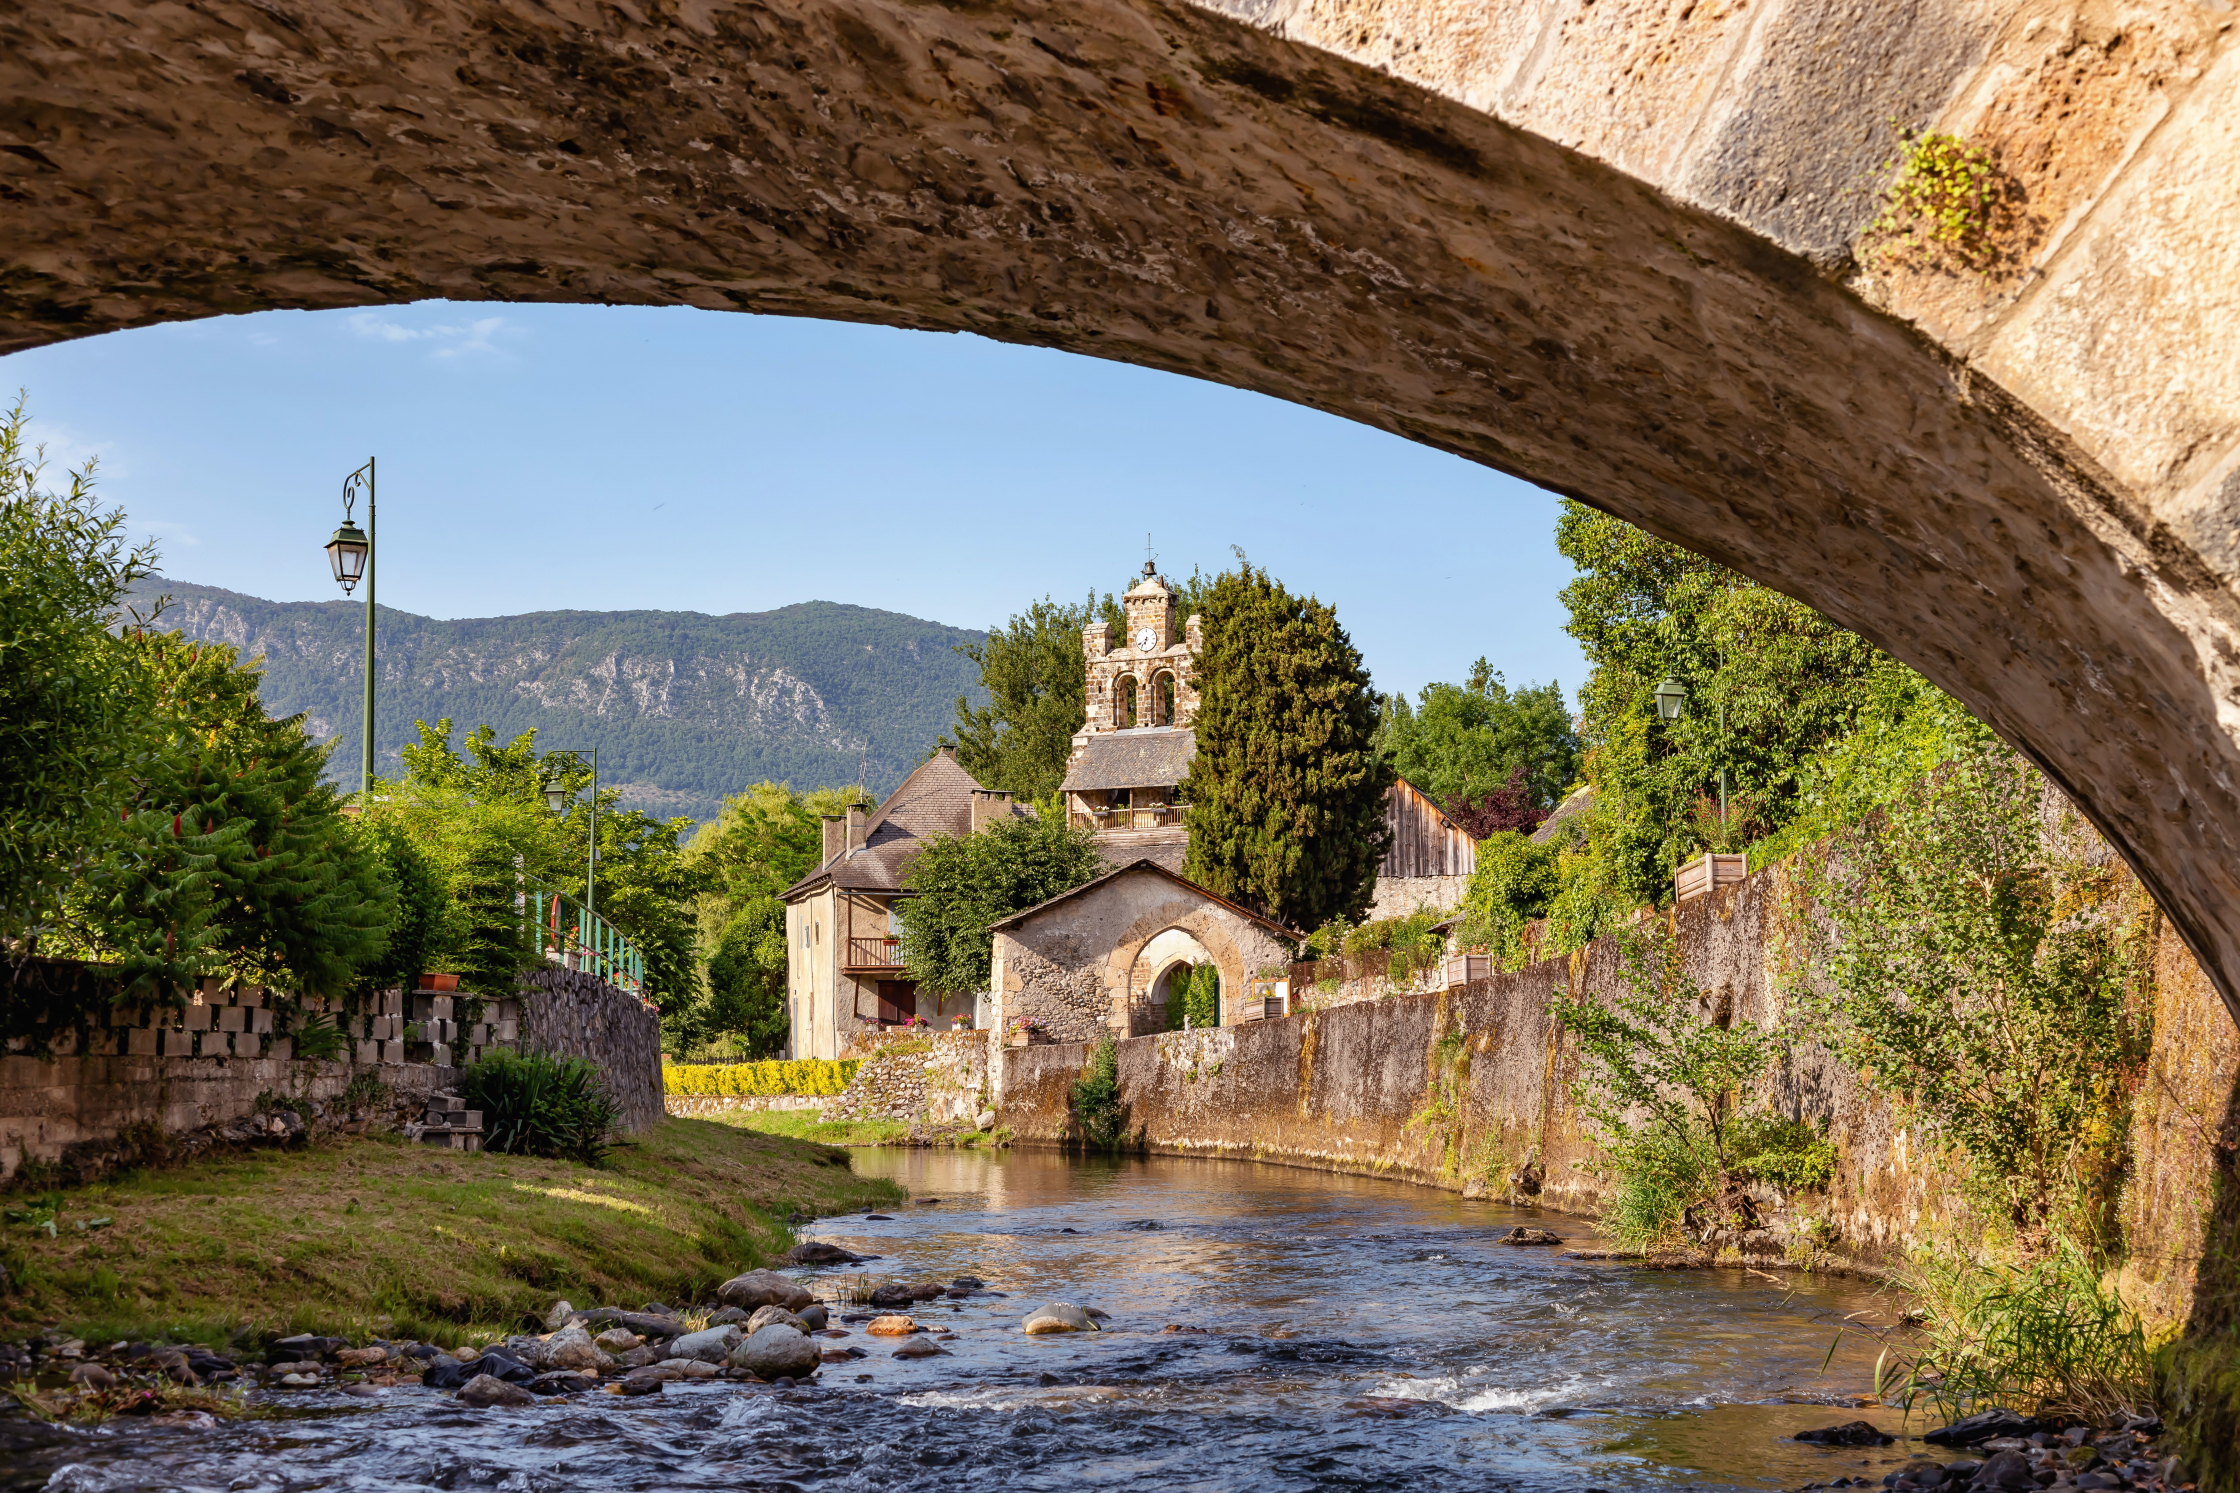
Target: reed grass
{"points": [[2047, 1336]]}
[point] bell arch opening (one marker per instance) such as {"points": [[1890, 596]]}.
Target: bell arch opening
{"points": [[1640, 290]]}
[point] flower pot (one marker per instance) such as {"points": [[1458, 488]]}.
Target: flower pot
{"points": [[1018, 1039], [439, 982]]}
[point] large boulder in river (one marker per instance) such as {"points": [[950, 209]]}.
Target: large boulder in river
{"points": [[709, 1346], [762, 1288], [777, 1352], [765, 1315], [1058, 1316], [817, 1252]]}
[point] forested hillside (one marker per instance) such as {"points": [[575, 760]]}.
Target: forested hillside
{"points": [[683, 707]]}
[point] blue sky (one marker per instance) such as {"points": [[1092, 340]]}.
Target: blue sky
{"points": [[545, 457]]}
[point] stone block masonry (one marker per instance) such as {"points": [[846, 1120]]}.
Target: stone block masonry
{"points": [[209, 1062], [935, 1077], [1365, 1088]]}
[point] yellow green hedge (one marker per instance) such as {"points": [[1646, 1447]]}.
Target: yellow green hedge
{"points": [[739, 1080]]}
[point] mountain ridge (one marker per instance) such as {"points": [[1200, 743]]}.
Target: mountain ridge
{"points": [[684, 707]]}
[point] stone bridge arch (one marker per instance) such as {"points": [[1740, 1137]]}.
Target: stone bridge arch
{"points": [[1615, 249]]}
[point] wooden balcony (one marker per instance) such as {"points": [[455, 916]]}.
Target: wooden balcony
{"points": [[873, 955], [1156, 816]]}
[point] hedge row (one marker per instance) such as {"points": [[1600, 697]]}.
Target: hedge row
{"points": [[739, 1080]]}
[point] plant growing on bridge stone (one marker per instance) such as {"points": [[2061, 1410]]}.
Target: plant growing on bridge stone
{"points": [[1945, 202], [1662, 1072]]}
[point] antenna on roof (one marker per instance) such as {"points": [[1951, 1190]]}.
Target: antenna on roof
{"points": [[862, 757], [1150, 559]]}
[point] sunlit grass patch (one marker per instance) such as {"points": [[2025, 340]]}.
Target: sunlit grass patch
{"points": [[369, 1236]]}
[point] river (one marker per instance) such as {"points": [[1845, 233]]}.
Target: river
{"points": [[1359, 1334]]}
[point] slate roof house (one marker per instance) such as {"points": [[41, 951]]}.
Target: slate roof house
{"points": [[843, 966]]}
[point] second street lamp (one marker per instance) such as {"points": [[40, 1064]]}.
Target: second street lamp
{"points": [[556, 796], [350, 552]]}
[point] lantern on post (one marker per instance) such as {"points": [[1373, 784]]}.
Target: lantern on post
{"points": [[1670, 696]]}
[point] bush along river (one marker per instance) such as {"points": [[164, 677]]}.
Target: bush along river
{"points": [[1250, 1328]]}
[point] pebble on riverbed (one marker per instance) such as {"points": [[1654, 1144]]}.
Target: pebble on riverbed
{"points": [[1058, 1316]]}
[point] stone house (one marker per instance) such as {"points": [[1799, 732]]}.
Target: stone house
{"points": [[1107, 956], [844, 970], [1139, 736]]}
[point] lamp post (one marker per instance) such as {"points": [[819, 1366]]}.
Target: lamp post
{"points": [[1670, 697], [556, 798], [350, 552]]}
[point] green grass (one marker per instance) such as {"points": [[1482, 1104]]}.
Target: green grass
{"points": [[804, 1124], [371, 1236]]}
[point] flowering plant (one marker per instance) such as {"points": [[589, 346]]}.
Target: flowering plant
{"points": [[915, 1021], [1025, 1024]]}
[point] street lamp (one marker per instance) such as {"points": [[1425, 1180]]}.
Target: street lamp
{"points": [[350, 552], [1671, 695], [556, 798]]}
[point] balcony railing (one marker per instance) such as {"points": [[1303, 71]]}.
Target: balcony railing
{"points": [[874, 952], [1155, 816], [562, 932]]}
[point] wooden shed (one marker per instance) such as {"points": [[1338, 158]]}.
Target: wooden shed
{"points": [[1425, 842]]}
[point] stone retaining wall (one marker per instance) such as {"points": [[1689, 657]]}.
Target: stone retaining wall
{"points": [[579, 1015], [945, 1081], [1344, 1088], [183, 1071]]}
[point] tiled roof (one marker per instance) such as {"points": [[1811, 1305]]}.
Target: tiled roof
{"points": [[935, 800], [1146, 757], [1566, 814], [1155, 869]]}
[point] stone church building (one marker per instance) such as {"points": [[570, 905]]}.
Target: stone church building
{"points": [[1141, 732]]}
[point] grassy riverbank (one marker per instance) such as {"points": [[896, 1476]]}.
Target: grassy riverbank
{"points": [[803, 1124], [359, 1236]]}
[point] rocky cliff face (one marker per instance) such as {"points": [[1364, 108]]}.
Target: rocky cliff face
{"points": [[684, 707]]}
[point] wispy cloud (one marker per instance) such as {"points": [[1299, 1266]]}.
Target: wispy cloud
{"points": [[449, 339], [167, 534]]}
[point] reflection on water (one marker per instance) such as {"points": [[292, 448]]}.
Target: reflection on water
{"points": [[1356, 1334]]}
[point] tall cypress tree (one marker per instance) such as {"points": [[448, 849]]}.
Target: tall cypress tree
{"points": [[1287, 790]]}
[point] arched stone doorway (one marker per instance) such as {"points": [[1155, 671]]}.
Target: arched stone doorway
{"points": [[1160, 971], [1498, 232]]}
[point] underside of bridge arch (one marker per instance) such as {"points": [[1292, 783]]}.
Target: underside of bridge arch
{"points": [[1614, 249]]}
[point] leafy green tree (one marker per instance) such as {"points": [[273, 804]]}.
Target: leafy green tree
{"points": [[1195, 1000], [72, 698], [417, 931], [1991, 977], [230, 855], [1466, 743], [960, 884], [747, 980], [1287, 789], [1037, 684], [478, 812]]}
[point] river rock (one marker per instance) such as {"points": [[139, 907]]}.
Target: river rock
{"points": [[360, 1357], [635, 1386], [817, 1252], [776, 1351], [1978, 1428], [892, 1295], [709, 1346], [1850, 1433], [558, 1317], [483, 1391], [572, 1348], [1529, 1236], [650, 1325], [2010, 1471], [618, 1340], [765, 1315], [919, 1347], [92, 1376], [893, 1324], [814, 1317], [727, 1314], [985, 1120], [763, 1288], [1058, 1316], [562, 1382]]}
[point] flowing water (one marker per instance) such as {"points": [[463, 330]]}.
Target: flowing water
{"points": [[1358, 1335]]}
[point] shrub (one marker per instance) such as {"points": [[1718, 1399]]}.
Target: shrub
{"points": [[1096, 1098], [749, 1080], [536, 1104]]}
